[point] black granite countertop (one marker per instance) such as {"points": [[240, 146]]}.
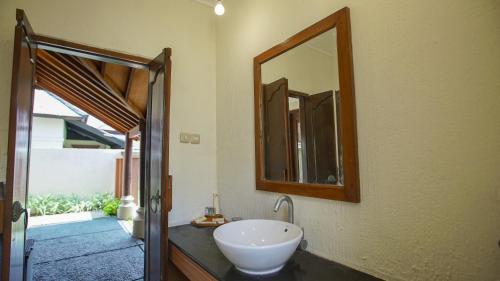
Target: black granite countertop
{"points": [[199, 245]]}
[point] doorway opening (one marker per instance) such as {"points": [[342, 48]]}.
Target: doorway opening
{"points": [[101, 83], [110, 103], [76, 183]]}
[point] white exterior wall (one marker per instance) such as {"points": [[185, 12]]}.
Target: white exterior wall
{"points": [[72, 171], [47, 133]]}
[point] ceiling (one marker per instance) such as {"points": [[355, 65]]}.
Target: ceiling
{"points": [[210, 3], [325, 43], [113, 93]]}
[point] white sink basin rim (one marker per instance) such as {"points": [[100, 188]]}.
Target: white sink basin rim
{"points": [[258, 247]]}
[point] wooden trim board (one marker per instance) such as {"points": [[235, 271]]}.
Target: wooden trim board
{"points": [[187, 266]]}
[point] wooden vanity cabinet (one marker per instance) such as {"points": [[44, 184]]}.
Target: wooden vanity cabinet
{"points": [[183, 268]]}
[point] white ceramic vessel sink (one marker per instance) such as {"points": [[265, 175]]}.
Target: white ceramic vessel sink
{"points": [[258, 247]]}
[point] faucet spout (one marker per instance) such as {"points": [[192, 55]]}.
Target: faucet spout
{"points": [[288, 200]]}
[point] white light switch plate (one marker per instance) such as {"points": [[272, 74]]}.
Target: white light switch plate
{"points": [[185, 138], [195, 138]]}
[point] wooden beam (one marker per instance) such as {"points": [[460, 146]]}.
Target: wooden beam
{"points": [[83, 72], [50, 86], [98, 54], [64, 81], [127, 165], [118, 177], [74, 62], [62, 91], [67, 71], [67, 91], [103, 66], [93, 82], [117, 76], [100, 75], [142, 174], [138, 91], [129, 83], [65, 67]]}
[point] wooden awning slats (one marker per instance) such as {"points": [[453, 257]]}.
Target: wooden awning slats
{"points": [[50, 84], [80, 93], [82, 83]]}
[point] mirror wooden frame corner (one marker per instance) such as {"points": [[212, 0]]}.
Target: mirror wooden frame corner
{"points": [[350, 191]]}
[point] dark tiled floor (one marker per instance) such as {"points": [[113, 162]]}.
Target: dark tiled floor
{"points": [[86, 251]]}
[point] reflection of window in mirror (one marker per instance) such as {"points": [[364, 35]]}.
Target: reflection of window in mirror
{"points": [[295, 139], [300, 110]]}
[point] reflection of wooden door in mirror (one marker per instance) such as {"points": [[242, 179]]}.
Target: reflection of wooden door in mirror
{"points": [[320, 135], [275, 105]]}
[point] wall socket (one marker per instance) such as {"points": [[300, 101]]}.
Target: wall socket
{"points": [[185, 138], [195, 138], [190, 138]]}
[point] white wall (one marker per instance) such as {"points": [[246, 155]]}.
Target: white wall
{"points": [[47, 133], [72, 171], [428, 97], [142, 28]]}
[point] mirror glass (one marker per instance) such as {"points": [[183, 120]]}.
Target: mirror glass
{"points": [[301, 114]]}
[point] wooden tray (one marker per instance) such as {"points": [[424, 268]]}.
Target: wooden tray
{"points": [[209, 222]]}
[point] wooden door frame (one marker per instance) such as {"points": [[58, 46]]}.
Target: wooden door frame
{"points": [[23, 23], [76, 49]]}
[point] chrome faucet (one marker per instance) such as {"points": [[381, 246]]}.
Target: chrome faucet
{"points": [[288, 200]]}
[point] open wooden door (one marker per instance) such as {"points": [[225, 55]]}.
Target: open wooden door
{"points": [[158, 183], [21, 103], [276, 140], [320, 136]]}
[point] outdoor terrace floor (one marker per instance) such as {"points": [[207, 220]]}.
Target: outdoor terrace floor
{"points": [[94, 250]]}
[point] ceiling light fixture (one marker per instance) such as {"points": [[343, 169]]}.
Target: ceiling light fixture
{"points": [[219, 8]]}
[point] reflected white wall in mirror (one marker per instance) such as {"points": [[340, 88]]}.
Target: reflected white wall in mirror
{"points": [[310, 68]]}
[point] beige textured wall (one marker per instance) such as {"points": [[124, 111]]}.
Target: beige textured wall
{"points": [[427, 78], [143, 28]]}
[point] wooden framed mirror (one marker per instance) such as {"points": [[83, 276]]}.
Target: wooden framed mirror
{"points": [[305, 115]]}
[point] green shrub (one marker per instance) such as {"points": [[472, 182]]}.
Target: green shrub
{"points": [[111, 208], [63, 204], [99, 200]]}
